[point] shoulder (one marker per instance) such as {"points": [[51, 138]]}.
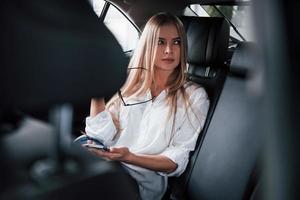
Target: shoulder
{"points": [[197, 97], [195, 90]]}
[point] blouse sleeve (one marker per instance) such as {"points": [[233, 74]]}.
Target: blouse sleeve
{"points": [[102, 125], [185, 136]]}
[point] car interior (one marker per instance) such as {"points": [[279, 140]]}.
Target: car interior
{"points": [[54, 52]]}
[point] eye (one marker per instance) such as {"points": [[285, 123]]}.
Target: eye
{"points": [[161, 42], [176, 42]]}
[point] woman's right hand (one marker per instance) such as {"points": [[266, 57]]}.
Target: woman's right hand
{"points": [[97, 106]]}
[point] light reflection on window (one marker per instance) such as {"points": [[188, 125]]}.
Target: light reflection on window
{"points": [[97, 6], [199, 10], [126, 34], [240, 16]]}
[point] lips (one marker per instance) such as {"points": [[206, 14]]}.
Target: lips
{"points": [[168, 59]]}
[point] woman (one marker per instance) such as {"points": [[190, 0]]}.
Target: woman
{"points": [[153, 122]]}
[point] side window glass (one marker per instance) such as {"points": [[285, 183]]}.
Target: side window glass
{"points": [[126, 34], [97, 6], [240, 17], [124, 31], [198, 10]]}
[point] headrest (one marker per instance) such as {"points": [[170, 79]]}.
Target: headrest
{"points": [[54, 52], [207, 41], [244, 59], [207, 48]]}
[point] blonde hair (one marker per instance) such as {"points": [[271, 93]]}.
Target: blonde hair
{"points": [[139, 81]]}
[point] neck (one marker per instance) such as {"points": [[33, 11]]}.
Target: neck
{"points": [[162, 76], [161, 79]]}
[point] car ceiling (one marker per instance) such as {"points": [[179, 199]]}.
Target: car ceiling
{"points": [[140, 10]]}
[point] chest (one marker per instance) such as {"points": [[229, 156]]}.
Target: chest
{"points": [[152, 115]]}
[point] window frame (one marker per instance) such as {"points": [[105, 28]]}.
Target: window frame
{"points": [[104, 13], [243, 3]]}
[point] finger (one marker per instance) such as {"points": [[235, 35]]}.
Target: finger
{"points": [[102, 153], [115, 150], [82, 132], [108, 155], [105, 155]]}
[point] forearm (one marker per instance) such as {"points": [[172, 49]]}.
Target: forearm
{"points": [[152, 162]]}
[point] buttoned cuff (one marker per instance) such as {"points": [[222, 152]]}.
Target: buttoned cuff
{"points": [[179, 156]]}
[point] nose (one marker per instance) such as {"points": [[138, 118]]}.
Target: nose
{"points": [[169, 49]]}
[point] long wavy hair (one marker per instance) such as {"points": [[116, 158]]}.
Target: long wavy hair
{"points": [[140, 80]]}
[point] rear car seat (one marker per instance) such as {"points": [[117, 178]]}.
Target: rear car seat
{"points": [[207, 47], [226, 165]]}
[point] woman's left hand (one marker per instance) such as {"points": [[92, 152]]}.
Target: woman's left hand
{"points": [[117, 154]]}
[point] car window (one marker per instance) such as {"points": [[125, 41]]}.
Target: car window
{"points": [[122, 28], [240, 17], [198, 10], [124, 31], [97, 6]]}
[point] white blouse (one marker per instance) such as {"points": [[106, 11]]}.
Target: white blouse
{"points": [[147, 128]]}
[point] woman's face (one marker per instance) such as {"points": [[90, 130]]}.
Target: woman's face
{"points": [[168, 48]]}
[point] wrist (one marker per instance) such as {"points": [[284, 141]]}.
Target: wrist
{"points": [[129, 158]]}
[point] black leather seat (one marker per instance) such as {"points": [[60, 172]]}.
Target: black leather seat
{"points": [[226, 165], [50, 55], [207, 47], [53, 53]]}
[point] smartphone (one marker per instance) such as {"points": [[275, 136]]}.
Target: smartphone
{"points": [[83, 140]]}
